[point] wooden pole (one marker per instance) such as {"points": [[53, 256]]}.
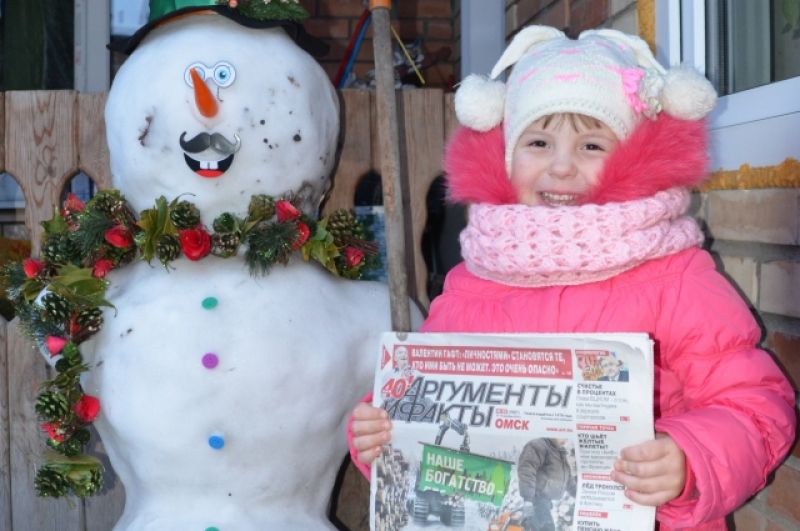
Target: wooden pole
{"points": [[388, 139]]}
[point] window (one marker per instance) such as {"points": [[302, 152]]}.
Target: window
{"points": [[750, 44], [750, 50]]}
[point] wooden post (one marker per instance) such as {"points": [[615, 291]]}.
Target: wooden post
{"points": [[388, 138]]}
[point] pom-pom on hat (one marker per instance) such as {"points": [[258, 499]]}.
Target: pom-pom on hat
{"points": [[606, 74]]}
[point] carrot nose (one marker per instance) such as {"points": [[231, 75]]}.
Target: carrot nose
{"points": [[205, 100]]}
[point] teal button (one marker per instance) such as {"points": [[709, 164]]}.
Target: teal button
{"points": [[212, 528], [209, 303]]}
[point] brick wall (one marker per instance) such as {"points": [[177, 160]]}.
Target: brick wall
{"points": [[431, 20], [572, 16], [755, 234]]}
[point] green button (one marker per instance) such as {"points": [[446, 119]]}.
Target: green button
{"points": [[209, 303], [212, 528]]}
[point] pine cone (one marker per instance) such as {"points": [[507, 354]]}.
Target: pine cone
{"points": [[60, 249], [184, 215], [56, 307], [341, 224], [50, 483], [261, 207], [168, 248], [104, 201], [111, 203], [51, 406], [225, 222], [69, 447], [224, 244], [86, 480], [90, 319]]}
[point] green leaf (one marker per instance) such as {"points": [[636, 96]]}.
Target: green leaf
{"points": [[79, 286], [154, 222], [31, 288], [56, 225], [323, 252]]}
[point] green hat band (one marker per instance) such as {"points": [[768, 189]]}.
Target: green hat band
{"points": [[159, 8], [255, 9]]}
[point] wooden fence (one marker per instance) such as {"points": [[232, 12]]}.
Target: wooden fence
{"points": [[46, 138]]}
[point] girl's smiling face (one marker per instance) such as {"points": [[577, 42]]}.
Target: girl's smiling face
{"points": [[558, 159]]}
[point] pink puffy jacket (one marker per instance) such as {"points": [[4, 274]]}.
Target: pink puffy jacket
{"points": [[724, 402]]}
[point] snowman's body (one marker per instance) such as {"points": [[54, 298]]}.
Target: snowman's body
{"points": [[294, 351], [232, 416]]}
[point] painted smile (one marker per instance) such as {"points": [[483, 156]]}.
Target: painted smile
{"points": [[214, 142], [210, 169]]}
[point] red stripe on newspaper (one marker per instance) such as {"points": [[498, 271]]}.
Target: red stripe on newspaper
{"points": [[491, 361], [596, 427]]}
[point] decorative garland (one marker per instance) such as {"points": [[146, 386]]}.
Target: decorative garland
{"points": [[59, 297]]}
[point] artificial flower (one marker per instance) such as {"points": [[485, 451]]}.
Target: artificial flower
{"points": [[87, 408], [72, 205], [195, 243], [74, 327], [353, 256], [119, 236], [32, 267], [303, 232], [53, 430], [54, 345], [102, 267], [286, 211]]}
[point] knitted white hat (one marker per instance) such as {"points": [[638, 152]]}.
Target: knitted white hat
{"points": [[605, 74]]}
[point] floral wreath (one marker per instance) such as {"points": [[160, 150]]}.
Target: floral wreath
{"points": [[58, 298]]}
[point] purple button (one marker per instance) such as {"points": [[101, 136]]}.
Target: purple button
{"points": [[210, 360]]}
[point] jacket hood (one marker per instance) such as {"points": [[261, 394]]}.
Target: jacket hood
{"points": [[659, 154]]}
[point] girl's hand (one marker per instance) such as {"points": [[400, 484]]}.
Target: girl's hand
{"points": [[371, 430], [653, 472]]}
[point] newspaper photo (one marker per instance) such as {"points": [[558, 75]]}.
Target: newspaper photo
{"points": [[510, 432]]}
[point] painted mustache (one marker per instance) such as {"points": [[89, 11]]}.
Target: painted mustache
{"points": [[215, 141]]}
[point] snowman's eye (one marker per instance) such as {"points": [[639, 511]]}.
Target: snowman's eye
{"points": [[224, 74], [201, 70]]}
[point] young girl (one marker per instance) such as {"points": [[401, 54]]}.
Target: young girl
{"points": [[576, 171]]}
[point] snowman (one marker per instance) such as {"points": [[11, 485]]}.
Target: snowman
{"points": [[224, 396]]}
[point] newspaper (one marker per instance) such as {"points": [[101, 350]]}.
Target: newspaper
{"points": [[502, 432]]}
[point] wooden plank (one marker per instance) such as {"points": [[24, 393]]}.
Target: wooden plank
{"points": [[92, 148], [450, 120], [41, 153], [5, 434], [423, 112], [373, 133], [103, 510], [354, 159], [26, 371], [41, 150]]}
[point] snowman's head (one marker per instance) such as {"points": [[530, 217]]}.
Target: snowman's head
{"points": [[208, 107]]}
